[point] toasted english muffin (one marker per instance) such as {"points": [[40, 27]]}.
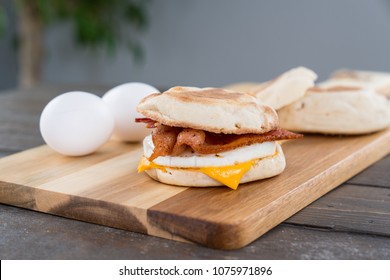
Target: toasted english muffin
{"points": [[211, 109], [377, 81], [337, 110], [243, 87], [281, 91]]}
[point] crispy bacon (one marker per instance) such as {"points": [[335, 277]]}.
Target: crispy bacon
{"points": [[173, 141], [164, 139], [149, 122]]}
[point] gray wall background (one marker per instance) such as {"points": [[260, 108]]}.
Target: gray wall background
{"points": [[213, 43], [8, 55]]}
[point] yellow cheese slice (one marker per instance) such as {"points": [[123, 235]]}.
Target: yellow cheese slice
{"points": [[145, 164], [228, 175]]}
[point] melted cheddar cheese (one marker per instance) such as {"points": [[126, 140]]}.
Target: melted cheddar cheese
{"points": [[228, 175]]}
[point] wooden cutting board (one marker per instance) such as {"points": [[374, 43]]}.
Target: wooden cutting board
{"points": [[105, 188]]}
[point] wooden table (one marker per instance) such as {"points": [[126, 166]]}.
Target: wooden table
{"points": [[350, 222]]}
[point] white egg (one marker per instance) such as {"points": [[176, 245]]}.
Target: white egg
{"points": [[123, 100], [76, 123]]}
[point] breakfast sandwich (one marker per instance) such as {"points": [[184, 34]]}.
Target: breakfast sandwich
{"points": [[205, 137]]}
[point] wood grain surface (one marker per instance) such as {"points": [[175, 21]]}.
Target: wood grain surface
{"points": [[105, 188]]}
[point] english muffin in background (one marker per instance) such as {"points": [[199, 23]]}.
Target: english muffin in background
{"points": [[349, 102], [377, 81], [281, 91], [337, 110]]}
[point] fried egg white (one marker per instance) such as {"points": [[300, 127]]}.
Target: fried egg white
{"points": [[191, 159]]}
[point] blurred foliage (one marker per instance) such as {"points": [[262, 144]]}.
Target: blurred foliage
{"points": [[3, 21], [96, 23]]}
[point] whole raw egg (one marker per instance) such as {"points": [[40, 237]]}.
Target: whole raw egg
{"points": [[123, 100], [76, 123]]}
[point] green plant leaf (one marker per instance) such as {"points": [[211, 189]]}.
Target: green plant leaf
{"points": [[99, 23], [136, 14], [137, 51], [3, 21]]}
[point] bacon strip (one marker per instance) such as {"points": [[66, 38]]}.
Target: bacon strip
{"points": [[164, 139], [173, 141], [149, 122]]}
